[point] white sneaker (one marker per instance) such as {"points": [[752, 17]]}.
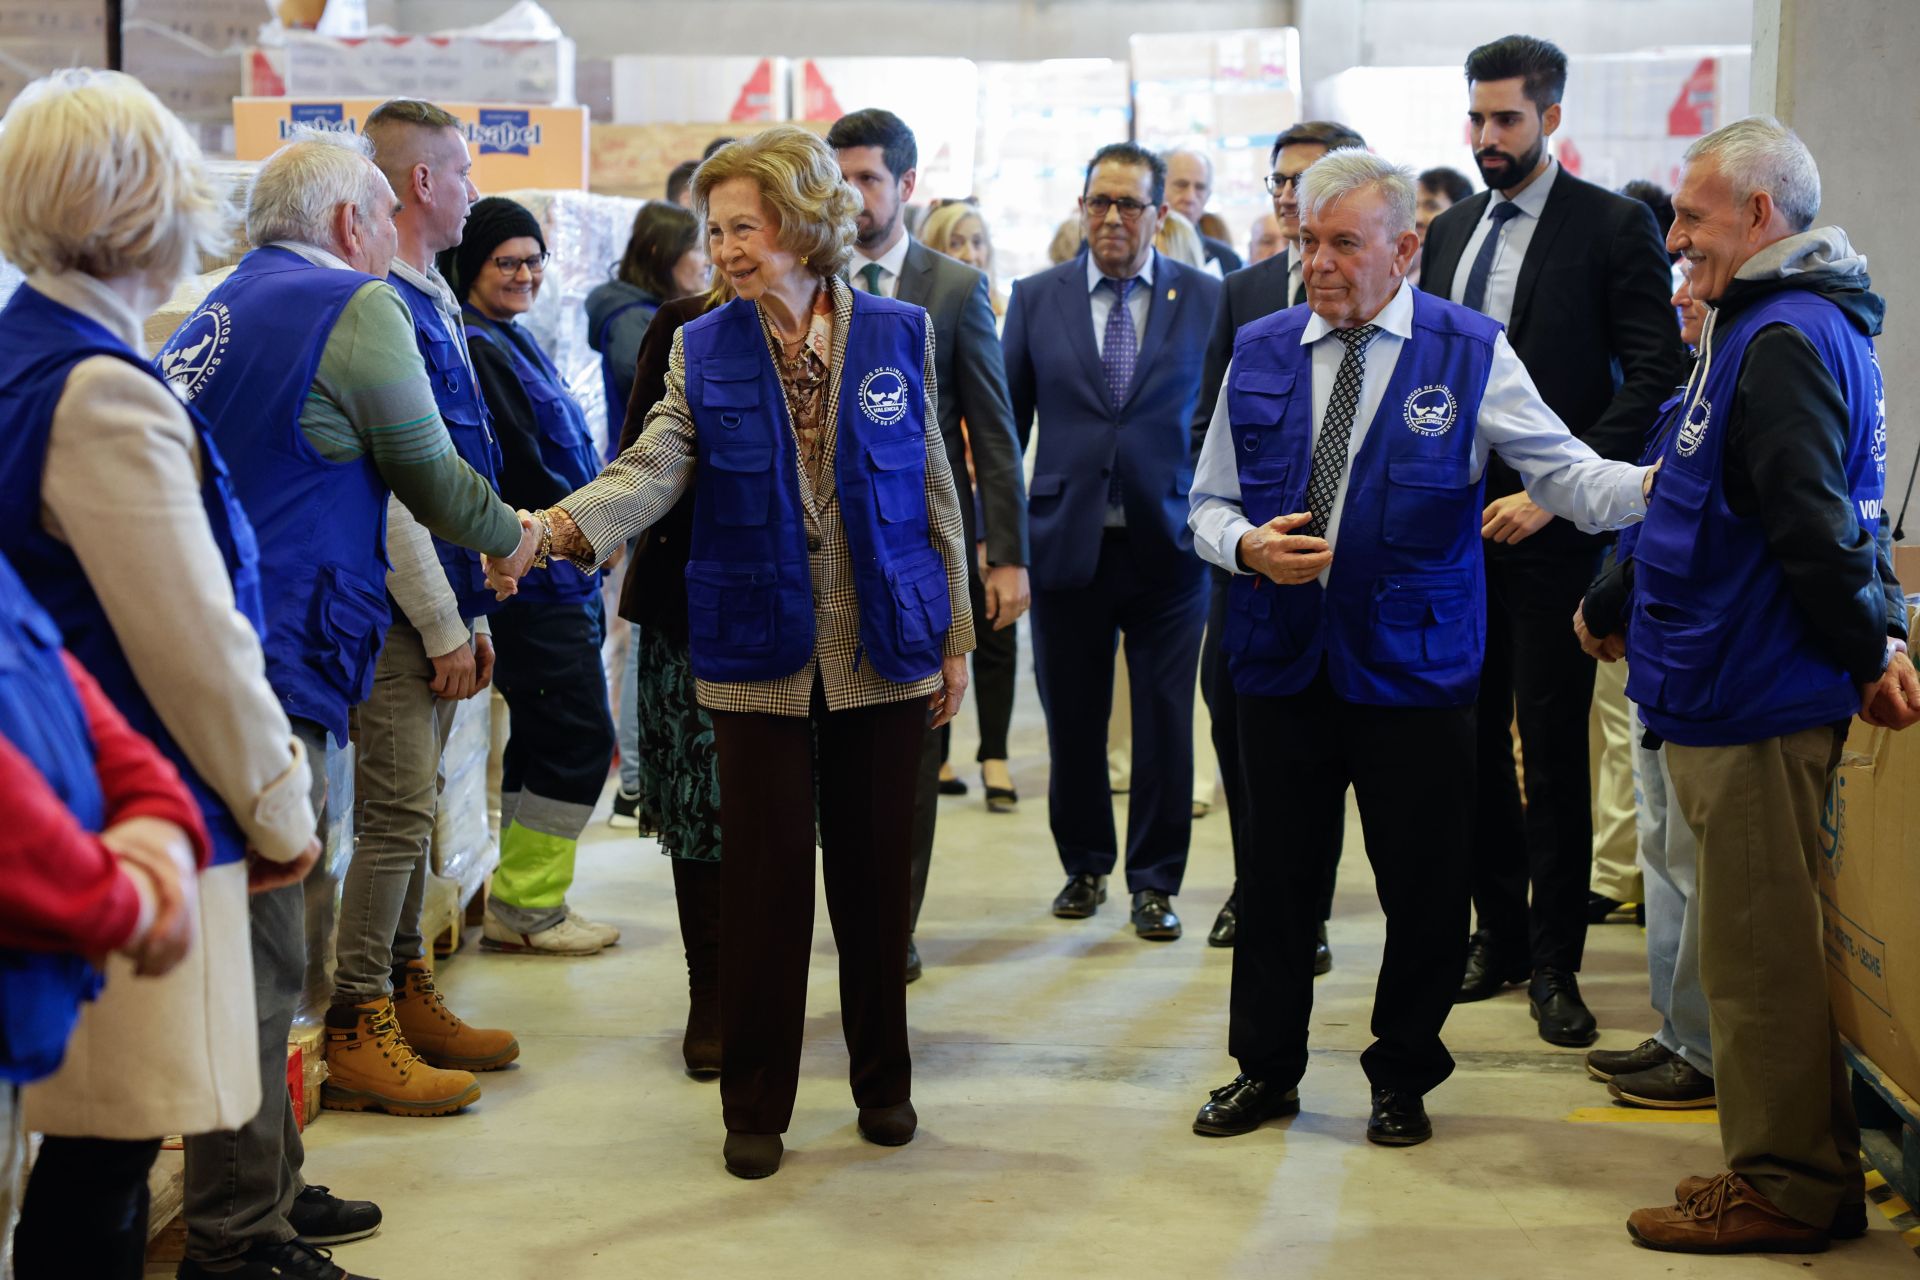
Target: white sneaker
{"points": [[567, 938], [607, 933], [625, 815]]}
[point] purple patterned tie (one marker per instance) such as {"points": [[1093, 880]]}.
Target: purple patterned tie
{"points": [[1118, 352]]}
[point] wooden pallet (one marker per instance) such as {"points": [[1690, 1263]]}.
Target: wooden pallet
{"points": [[1889, 1125]]}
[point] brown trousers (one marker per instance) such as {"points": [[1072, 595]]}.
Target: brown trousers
{"points": [[860, 763], [1786, 1114]]}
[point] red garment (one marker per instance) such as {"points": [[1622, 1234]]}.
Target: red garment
{"points": [[60, 888]]}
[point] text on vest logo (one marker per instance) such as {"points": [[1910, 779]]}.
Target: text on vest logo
{"points": [[196, 350], [1430, 411], [883, 396], [329, 116]]}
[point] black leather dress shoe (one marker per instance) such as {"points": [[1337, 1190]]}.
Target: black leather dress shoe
{"points": [[1243, 1106], [1488, 972], [889, 1126], [1604, 1064], [1553, 997], [1226, 924], [913, 962], [1322, 954], [753, 1155], [1399, 1119], [1674, 1085], [1153, 917], [1081, 898]]}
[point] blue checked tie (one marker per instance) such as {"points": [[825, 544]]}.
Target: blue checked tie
{"points": [[1336, 429], [1476, 295], [1118, 352]]}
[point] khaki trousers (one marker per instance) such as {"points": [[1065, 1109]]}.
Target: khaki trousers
{"points": [[1786, 1114], [1611, 733]]}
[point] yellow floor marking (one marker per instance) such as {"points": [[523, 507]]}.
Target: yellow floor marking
{"points": [[1641, 1115]]}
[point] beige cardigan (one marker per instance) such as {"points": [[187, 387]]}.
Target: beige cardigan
{"points": [[121, 487]]}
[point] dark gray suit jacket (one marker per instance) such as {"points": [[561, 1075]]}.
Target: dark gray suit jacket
{"points": [[972, 384], [1245, 296]]}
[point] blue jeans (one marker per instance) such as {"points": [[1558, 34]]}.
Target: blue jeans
{"points": [[1669, 858]]}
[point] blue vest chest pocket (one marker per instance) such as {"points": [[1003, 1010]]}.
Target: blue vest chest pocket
{"points": [[899, 478], [1422, 620], [1264, 488], [732, 605], [1427, 502], [739, 480], [352, 618], [1258, 397], [922, 606], [1672, 537], [449, 372]]}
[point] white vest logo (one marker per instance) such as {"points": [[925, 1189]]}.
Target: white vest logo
{"points": [[883, 396], [1694, 429], [197, 351], [1430, 411]]}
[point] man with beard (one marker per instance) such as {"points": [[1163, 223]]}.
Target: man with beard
{"points": [[1579, 278], [879, 157]]}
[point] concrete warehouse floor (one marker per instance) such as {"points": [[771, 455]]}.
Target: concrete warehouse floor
{"points": [[1057, 1068]]}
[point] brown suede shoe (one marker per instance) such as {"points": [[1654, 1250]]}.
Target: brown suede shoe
{"points": [[1724, 1214], [1849, 1220], [437, 1034]]}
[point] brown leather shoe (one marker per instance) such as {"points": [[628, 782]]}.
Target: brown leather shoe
{"points": [[436, 1032], [1849, 1220], [1723, 1214]]}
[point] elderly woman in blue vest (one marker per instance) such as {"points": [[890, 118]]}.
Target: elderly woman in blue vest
{"points": [[547, 637], [1341, 484], [666, 257], [104, 475], [98, 855], [828, 611]]}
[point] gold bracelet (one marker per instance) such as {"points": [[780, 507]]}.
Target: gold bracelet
{"points": [[544, 551]]}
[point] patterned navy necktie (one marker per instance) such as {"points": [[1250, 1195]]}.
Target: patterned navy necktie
{"points": [[1476, 294], [1118, 352], [1336, 429]]}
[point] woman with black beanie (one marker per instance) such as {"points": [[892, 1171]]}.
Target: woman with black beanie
{"points": [[547, 638]]}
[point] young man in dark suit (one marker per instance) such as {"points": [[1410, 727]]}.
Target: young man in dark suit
{"points": [[879, 156], [1260, 290], [1580, 279], [1107, 349]]}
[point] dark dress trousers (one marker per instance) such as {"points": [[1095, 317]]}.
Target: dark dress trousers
{"points": [[1245, 296], [1592, 323], [972, 385], [1093, 585]]}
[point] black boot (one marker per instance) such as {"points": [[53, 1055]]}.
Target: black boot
{"points": [[696, 891]]}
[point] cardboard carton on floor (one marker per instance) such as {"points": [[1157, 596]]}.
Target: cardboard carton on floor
{"points": [[1869, 865]]}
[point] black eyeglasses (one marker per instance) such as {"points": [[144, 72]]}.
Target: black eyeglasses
{"points": [[534, 264], [1278, 182], [1130, 210]]}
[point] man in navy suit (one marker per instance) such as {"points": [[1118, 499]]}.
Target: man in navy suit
{"points": [[1107, 351]]}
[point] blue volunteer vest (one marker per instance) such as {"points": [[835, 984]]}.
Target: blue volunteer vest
{"points": [[1718, 651], [40, 343], [246, 360], [609, 380], [566, 449], [749, 581], [469, 426], [1402, 618], [40, 715]]}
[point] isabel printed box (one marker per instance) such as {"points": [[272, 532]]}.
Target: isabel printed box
{"points": [[514, 147]]}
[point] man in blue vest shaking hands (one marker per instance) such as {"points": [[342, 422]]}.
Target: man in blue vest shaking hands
{"points": [[1341, 484]]}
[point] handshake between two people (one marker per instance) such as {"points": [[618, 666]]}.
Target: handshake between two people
{"points": [[536, 541]]}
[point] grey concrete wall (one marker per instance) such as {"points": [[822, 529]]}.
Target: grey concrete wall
{"points": [[1842, 76]]}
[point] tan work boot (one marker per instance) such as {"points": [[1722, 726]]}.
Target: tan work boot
{"points": [[371, 1067], [1723, 1214], [436, 1032]]}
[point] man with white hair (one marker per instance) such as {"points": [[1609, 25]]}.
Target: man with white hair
{"points": [[303, 364], [1340, 484], [1189, 187], [1763, 619]]}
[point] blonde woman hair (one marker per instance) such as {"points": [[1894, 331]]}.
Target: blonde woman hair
{"points": [[101, 178], [1066, 242], [799, 179], [1179, 241], [937, 230]]}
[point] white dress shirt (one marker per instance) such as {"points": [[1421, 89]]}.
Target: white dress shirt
{"points": [[892, 262], [1562, 474], [1512, 249], [1137, 301]]}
